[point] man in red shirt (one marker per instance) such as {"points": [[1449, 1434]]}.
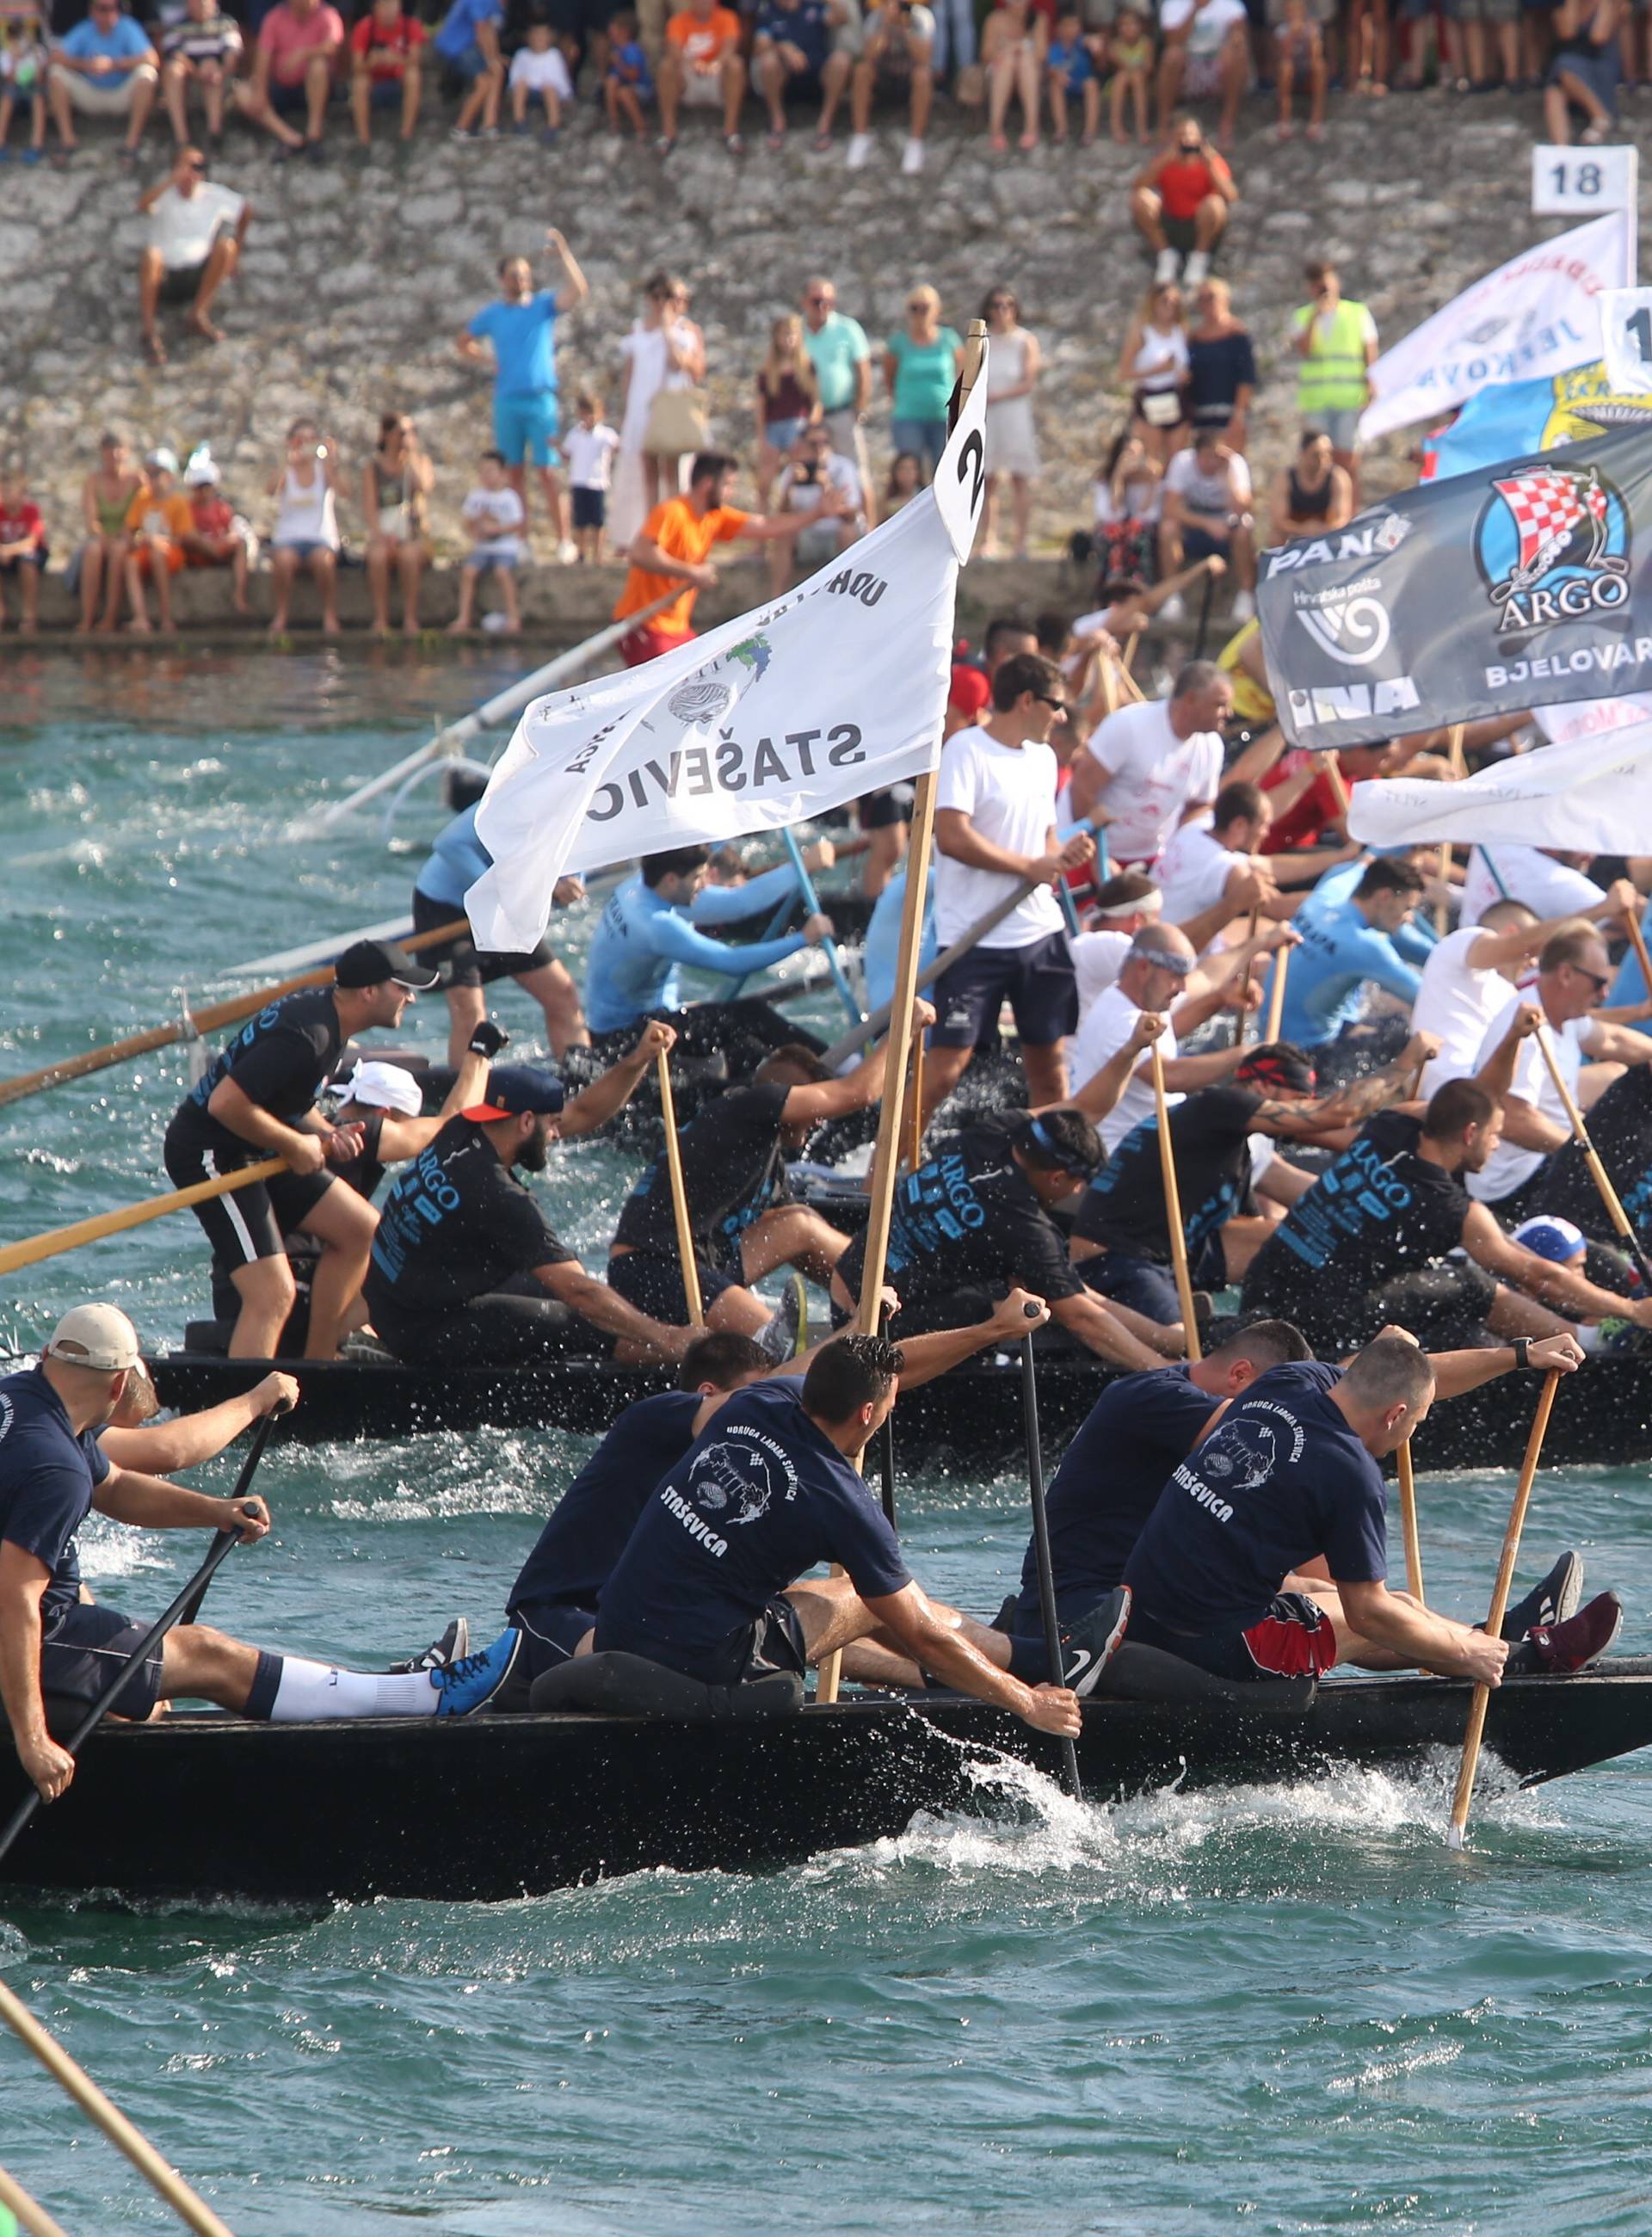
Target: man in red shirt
{"points": [[23, 546], [1180, 203], [701, 65], [299, 43], [385, 67]]}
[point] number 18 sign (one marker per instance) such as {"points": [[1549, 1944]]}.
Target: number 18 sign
{"points": [[1583, 182]]}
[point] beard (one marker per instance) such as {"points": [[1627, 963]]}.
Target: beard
{"points": [[534, 1151]]}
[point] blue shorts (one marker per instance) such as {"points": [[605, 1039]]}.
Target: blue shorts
{"points": [[470, 65], [83, 1651], [590, 508], [925, 438], [1036, 981], [550, 1630], [1140, 1284], [525, 428]]}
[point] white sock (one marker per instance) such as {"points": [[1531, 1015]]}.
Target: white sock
{"points": [[309, 1692]]}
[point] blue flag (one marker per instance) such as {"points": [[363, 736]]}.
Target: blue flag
{"points": [[1524, 416]]}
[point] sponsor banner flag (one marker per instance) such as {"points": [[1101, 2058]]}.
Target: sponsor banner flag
{"points": [[1572, 719], [1592, 797], [1534, 415], [836, 690], [1513, 587], [1537, 314]]}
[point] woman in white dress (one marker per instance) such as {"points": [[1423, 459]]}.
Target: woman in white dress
{"points": [[1152, 365], [1012, 365], [664, 351]]}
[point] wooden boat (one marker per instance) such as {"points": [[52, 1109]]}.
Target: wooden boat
{"points": [[1603, 1415], [492, 1807]]}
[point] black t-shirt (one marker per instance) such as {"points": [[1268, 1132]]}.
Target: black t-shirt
{"points": [[733, 1171], [278, 1060], [969, 1218], [454, 1225], [1379, 1210], [585, 1536], [48, 1475], [1621, 1127], [1109, 1482], [1217, 371], [755, 1503], [1281, 1478], [1124, 1205], [365, 1172]]}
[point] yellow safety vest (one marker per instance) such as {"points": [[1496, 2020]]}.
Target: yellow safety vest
{"points": [[1331, 378]]}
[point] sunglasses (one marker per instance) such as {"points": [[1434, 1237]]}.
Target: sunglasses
{"points": [[1600, 982], [820, 303], [1044, 699]]}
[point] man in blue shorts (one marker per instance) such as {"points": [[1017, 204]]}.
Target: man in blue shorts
{"points": [[521, 327], [58, 1651], [1289, 1481]]}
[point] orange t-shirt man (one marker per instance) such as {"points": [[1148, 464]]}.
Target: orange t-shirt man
{"points": [[703, 40], [681, 533]]}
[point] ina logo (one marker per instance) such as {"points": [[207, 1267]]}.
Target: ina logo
{"points": [[707, 696], [1552, 544]]}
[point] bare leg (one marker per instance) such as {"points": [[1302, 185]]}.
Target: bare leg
{"points": [[554, 991], [343, 1224], [379, 583], [791, 1234], [325, 568], [410, 565], [1046, 1074], [942, 1069], [267, 1293]]}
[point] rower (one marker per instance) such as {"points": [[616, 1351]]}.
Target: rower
{"points": [[1619, 1125], [555, 1599], [643, 937], [1388, 1228], [257, 1097], [975, 1218], [708, 1582], [56, 1647], [734, 1176], [467, 1271], [1347, 946], [386, 1104], [458, 859], [1290, 1475], [133, 1438], [1121, 1233]]}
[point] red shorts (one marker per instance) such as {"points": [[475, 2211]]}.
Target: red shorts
{"points": [[1295, 1638], [646, 641]]}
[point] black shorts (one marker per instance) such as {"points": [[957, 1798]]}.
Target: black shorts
{"points": [[1295, 1638], [774, 1641], [504, 1328], [83, 1651], [652, 1281], [550, 1631], [184, 285], [1037, 982], [468, 965], [1198, 544], [590, 508], [878, 811], [251, 1223]]}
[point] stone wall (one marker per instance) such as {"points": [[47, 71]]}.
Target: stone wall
{"points": [[357, 276]]}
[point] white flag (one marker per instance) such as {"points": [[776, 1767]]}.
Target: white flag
{"points": [[1536, 315], [835, 691], [1570, 719], [1591, 797]]}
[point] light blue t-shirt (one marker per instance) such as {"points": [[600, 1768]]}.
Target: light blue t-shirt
{"points": [[882, 951], [641, 940], [457, 859], [1340, 955], [523, 338], [834, 352], [1630, 985], [456, 35], [124, 41]]}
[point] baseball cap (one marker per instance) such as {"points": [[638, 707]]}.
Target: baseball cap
{"points": [[370, 962], [387, 1087], [163, 460], [99, 1337], [201, 473], [514, 1088], [1551, 1237]]}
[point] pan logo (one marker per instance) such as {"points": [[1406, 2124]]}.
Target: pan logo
{"points": [[1353, 630], [1553, 544]]}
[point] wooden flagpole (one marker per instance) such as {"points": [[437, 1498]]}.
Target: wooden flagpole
{"points": [[887, 1155], [679, 1194]]}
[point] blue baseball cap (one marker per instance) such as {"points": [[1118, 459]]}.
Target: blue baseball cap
{"points": [[513, 1088], [1550, 1237]]}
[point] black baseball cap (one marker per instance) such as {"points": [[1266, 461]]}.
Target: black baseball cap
{"points": [[514, 1088], [370, 962]]}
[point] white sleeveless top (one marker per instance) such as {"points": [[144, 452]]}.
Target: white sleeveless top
{"points": [[306, 514]]}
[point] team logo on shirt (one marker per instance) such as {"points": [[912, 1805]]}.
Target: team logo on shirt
{"points": [[739, 1477], [1241, 1455], [8, 1415], [1552, 543]]}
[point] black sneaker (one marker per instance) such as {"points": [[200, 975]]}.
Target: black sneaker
{"points": [[1549, 1602], [1555, 1650], [1087, 1646], [452, 1646], [786, 1334]]}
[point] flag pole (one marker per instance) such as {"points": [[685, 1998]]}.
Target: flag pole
{"points": [[886, 1155]]}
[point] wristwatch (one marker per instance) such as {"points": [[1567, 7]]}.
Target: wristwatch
{"points": [[1522, 1350]]}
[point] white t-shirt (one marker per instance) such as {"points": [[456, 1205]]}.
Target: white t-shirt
{"points": [[588, 451], [505, 510], [1510, 1167], [1458, 1003], [539, 71], [1229, 491], [1154, 776], [1552, 888], [1008, 794], [1213, 22], [184, 226], [1194, 870], [1098, 958], [1108, 1027]]}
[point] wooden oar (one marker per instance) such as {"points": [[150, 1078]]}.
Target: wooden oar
{"points": [[1041, 1543], [1408, 1521], [1276, 994], [1598, 1173], [56, 1240], [30, 2216], [1242, 1015], [1472, 1737], [1172, 1207], [915, 1106], [679, 1194]]}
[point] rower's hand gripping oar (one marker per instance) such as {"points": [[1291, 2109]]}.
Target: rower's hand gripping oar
{"points": [[181, 1610], [828, 946], [1041, 1544]]}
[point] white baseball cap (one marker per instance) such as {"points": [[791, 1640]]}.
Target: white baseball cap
{"points": [[99, 1337], [387, 1087]]}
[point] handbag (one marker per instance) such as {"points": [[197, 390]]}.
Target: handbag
{"points": [[677, 423], [1160, 407]]}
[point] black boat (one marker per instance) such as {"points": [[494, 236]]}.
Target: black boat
{"points": [[1603, 1415], [492, 1807]]}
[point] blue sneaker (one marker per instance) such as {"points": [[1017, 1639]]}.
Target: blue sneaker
{"points": [[472, 1682]]}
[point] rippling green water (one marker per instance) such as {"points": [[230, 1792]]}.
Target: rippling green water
{"points": [[1286, 2009]]}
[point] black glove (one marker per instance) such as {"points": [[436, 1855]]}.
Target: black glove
{"points": [[488, 1039]]}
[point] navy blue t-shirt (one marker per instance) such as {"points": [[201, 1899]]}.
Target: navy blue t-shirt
{"points": [[48, 1475], [1282, 1478], [1109, 1482], [579, 1545], [806, 28], [755, 1503], [278, 1060]]}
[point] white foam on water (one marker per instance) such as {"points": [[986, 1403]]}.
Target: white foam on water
{"points": [[1377, 2072], [115, 1549]]}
